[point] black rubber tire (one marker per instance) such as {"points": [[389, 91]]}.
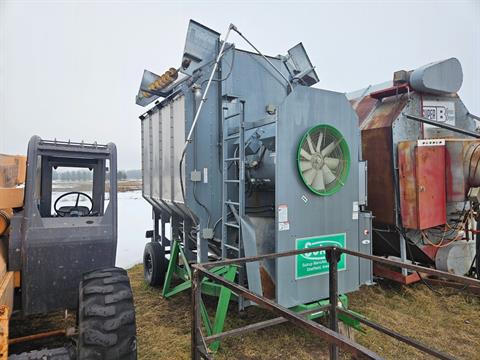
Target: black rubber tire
{"points": [[106, 316], [154, 264]]}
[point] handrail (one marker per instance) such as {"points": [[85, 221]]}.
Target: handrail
{"points": [[336, 340]]}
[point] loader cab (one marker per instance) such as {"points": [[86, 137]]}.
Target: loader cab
{"points": [[72, 187], [66, 228]]}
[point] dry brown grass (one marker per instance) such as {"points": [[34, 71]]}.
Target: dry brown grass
{"points": [[450, 322]]}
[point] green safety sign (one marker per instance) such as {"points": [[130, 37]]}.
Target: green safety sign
{"points": [[315, 263]]}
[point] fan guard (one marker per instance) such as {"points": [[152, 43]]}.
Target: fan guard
{"points": [[323, 160]]}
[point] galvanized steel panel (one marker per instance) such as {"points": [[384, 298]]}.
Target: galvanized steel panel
{"points": [[310, 215], [156, 164], [177, 118], [146, 170], [166, 143]]}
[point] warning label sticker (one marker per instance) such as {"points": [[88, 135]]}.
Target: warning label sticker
{"points": [[283, 218], [283, 226]]}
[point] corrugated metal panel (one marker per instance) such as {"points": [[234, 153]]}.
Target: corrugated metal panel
{"points": [[156, 160], [146, 171], [177, 116], [163, 136], [166, 154]]}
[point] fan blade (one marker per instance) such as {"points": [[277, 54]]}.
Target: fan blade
{"points": [[309, 175], [305, 154], [332, 163], [330, 147], [319, 142], [305, 165], [310, 145], [319, 183], [328, 175]]}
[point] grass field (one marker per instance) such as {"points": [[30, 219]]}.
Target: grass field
{"points": [[448, 321]]}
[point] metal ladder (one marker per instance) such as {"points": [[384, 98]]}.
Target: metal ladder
{"points": [[231, 225]]}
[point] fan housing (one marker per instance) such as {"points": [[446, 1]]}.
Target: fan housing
{"points": [[323, 160]]}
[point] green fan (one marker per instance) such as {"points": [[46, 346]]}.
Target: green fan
{"points": [[323, 160]]}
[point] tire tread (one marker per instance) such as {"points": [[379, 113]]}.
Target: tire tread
{"points": [[106, 316]]}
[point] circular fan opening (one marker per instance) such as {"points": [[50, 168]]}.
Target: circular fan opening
{"points": [[323, 160]]}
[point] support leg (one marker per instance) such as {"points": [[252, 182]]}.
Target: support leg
{"points": [[187, 243], [222, 307], [196, 322], [332, 258], [156, 227], [175, 248], [403, 253]]}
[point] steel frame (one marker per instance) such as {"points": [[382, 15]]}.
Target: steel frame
{"points": [[199, 342]]}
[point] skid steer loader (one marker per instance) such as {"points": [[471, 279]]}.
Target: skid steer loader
{"points": [[58, 251]]}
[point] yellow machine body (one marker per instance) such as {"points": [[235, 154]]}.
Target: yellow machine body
{"points": [[12, 181]]}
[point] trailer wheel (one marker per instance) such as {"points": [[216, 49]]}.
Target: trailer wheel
{"points": [[106, 316], [154, 264]]}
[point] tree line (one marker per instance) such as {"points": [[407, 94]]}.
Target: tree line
{"points": [[86, 175]]}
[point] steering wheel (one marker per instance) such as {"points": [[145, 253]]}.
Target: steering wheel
{"points": [[67, 210]]}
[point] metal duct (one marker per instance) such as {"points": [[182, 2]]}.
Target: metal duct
{"points": [[441, 77]]}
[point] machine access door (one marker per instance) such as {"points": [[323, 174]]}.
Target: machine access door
{"points": [[64, 238]]}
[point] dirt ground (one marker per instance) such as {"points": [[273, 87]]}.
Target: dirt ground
{"points": [[446, 319]]}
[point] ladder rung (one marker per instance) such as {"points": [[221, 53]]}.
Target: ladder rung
{"points": [[232, 159], [232, 225], [231, 181], [232, 203], [231, 247]]}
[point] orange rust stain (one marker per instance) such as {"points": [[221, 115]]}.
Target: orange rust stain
{"points": [[408, 190], [385, 113], [268, 286]]}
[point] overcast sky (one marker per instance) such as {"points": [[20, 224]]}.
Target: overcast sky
{"points": [[71, 70]]}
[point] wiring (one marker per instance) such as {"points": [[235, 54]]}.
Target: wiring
{"points": [[459, 226], [201, 204], [183, 154], [195, 119]]}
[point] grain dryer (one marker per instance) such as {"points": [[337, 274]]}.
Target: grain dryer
{"points": [[423, 175], [269, 164]]}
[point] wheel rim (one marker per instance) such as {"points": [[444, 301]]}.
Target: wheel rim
{"points": [[148, 265]]}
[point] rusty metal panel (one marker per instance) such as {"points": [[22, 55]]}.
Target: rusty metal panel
{"points": [[385, 113], [364, 107], [422, 184], [430, 167], [391, 91], [471, 163], [408, 184], [377, 150], [456, 176]]}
